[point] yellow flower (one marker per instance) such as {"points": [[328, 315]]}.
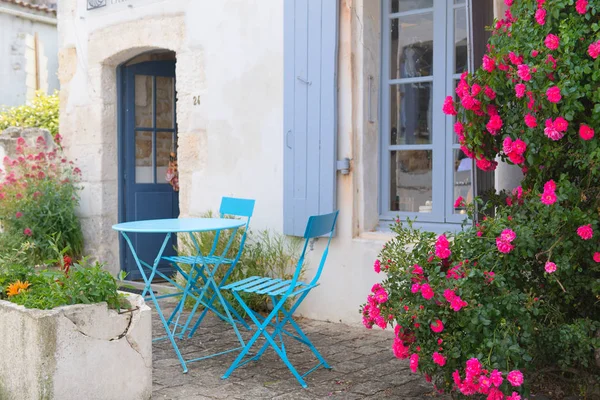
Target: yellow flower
{"points": [[17, 287]]}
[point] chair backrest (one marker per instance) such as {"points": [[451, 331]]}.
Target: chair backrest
{"points": [[317, 226], [238, 208]]}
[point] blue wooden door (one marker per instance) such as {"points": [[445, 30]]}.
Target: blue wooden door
{"points": [[149, 140]]}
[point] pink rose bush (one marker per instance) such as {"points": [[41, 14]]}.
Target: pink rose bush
{"points": [[477, 311]]}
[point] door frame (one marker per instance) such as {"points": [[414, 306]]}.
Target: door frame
{"points": [[122, 115]]}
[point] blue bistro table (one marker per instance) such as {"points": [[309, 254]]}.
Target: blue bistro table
{"points": [[204, 270]]}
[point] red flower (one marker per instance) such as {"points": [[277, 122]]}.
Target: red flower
{"points": [[597, 257], [586, 132], [494, 125], [552, 41], [437, 326], [489, 64], [520, 89], [553, 94], [530, 121], [540, 16], [585, 232], [581, 6], [27, 232], [448, 107], [524, 72], [19, 214], [594, 50]]}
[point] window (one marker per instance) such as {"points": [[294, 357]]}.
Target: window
{"points": [[424, 53]]}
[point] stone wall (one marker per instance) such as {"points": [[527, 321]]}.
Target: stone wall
{"points": [[8, 139]]}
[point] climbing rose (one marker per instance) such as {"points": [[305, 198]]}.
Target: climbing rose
{"points": [[553, 94], [524, 72], [417, 269], [597, 257], [550, 267], [504, 246], [489, 92], [552, 131], [442, 247], [520, 90], [514, 396], [508, 235], [448, 108], [507, 145], [496, 378], [400, 351], [530, 121], [534, 53], [439, 359], [437, 326], [414, 362], [489, 64], [552, 42], [515, 378], [519, 146], [586, 132], [459, 201], [508, 2], [494, 125], [377, 266], [581, 6], [548, 198], [540, 16], [594, 50], [427, 291], [585, 232]]}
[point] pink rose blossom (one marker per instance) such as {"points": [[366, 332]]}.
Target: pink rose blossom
{"points": [[524, 72], [550, 267], [459, 201], [548, 198], [489, 92], [448, 107], [520, 89], [534, 53], [19, 214], [494, 125], [530, 121], [437, 326], [508, 235], [553, 94], [540, 16], [400, 350], [417, 269], [377, 266], [489, 64], [439, 359], [552, 41], [442, 247], [504, 246], [27, 232], [585, 232], [514, 396], [381, 296], [594, 50], [507, 145], [508, 2], [427, 291], [585, 132], [496, 378], [519, 146], [414, 362], [581, 6], [415, 288], [597, 257], [551, 130], [515, 378]]}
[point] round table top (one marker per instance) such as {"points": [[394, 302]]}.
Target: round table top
{"points": [[174, 225]]}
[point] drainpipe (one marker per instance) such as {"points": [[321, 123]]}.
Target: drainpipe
{"points": [[28, 16]]}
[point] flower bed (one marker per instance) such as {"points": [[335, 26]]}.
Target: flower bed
{"points": [[480, 311]]}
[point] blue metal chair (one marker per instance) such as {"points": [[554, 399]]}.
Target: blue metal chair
{"points": [[280, 291], [229, 206]]}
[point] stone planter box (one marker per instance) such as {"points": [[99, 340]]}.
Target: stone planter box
{"points": [[76, 352]]}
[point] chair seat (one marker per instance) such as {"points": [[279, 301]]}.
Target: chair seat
{"points": [[265, 285], [197, 260]]}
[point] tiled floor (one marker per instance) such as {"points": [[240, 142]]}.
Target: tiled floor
{"points": [[363, 367]]}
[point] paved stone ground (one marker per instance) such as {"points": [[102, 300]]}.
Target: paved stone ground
{"points": [[363, 367]]}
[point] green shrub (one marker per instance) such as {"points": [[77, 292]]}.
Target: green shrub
{"points": [[38, 200], [42, 112], [481, 311]]}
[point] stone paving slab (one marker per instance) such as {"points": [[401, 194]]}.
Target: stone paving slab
{"points": [[362, 361]]}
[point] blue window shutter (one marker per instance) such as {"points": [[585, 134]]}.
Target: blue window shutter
{"points": [[310, 110]]}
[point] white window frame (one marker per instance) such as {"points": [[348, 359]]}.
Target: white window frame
{"points": [[442, 143]]}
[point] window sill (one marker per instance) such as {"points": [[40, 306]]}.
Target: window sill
{"points": [[383, 233]]}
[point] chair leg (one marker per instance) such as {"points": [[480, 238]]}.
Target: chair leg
{"points": [[309, 343], [261, 330]]}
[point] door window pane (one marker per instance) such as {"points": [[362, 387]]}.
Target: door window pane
{"points": [[143, 101], [462, 179], [409, 5], [411, 181], [165, 102], [411, 46], [164, 147], [143, 157], [460, 39], [411, 107]]}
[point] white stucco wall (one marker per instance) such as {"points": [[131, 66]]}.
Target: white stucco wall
{"points": [[230, 53], [13, 68]]}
